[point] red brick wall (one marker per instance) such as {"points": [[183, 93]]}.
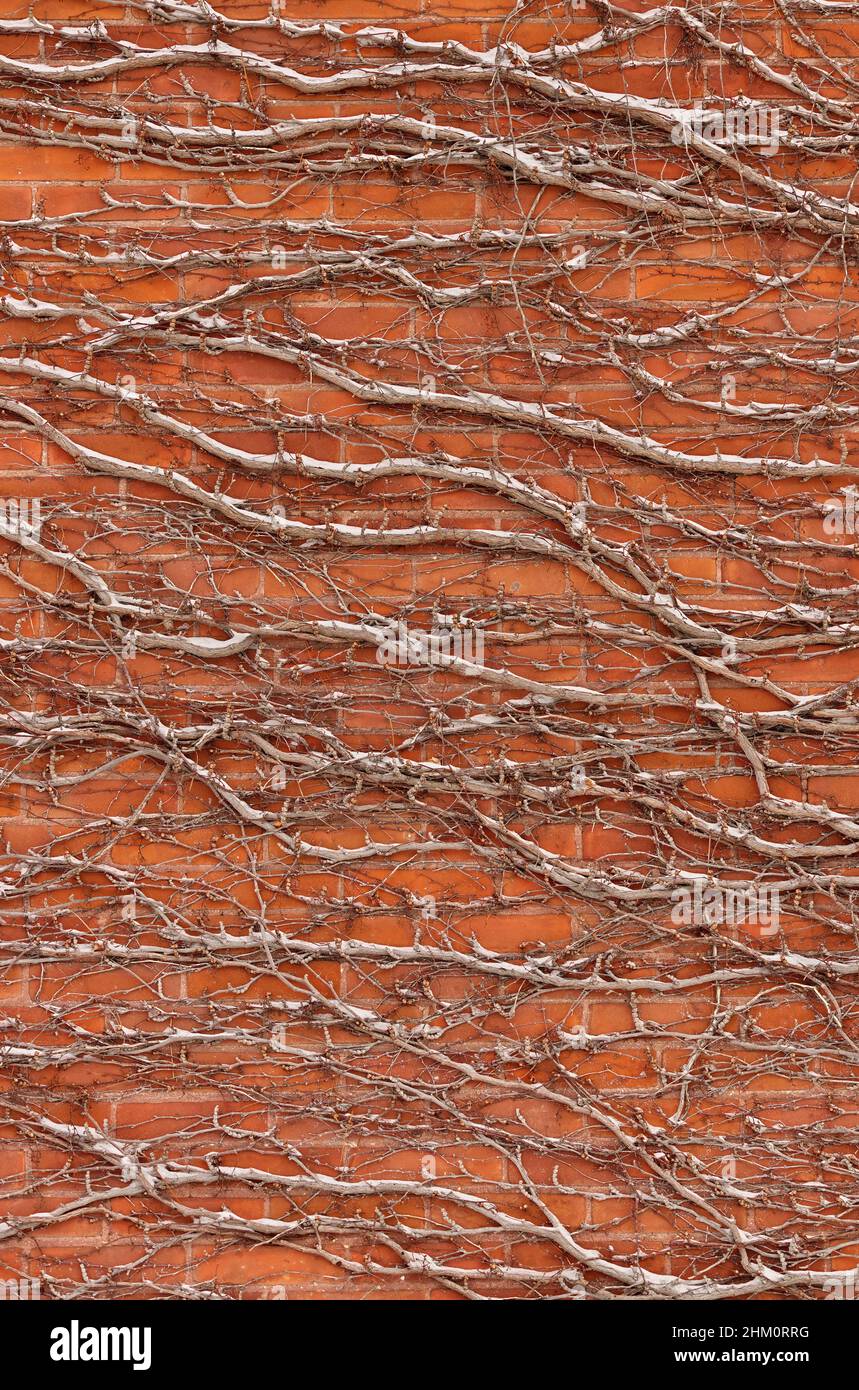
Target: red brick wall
{"points": [[341, 963]]}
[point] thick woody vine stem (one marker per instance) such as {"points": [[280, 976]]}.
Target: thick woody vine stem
{"points": [[443, 442]]}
